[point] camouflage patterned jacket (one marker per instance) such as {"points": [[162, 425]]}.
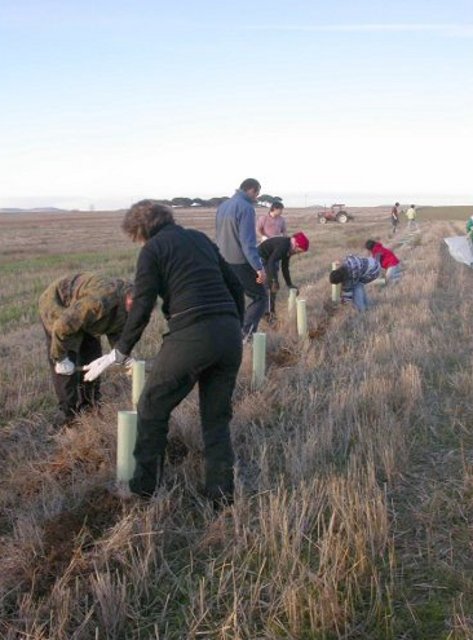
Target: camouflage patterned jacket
{"points": [[79, 304]]}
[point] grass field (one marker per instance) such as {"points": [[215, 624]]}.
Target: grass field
{"points": [[354, 505]]}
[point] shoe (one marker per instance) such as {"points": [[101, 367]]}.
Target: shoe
{"points": [[61, 419]]}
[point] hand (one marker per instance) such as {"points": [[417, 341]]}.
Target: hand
{"points": [[261, 276], [65, 367], [98, 366], [128, 364]]}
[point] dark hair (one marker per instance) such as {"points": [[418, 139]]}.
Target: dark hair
{"points": [[338, 275], [397, 204], [369, 244], [277, 205], [413, 206], [145, 218], [250, 183]]}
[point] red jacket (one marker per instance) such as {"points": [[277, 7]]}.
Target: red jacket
{"points": [[387, 257]]}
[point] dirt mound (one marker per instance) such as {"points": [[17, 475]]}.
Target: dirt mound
{"points": [[69, 535]]}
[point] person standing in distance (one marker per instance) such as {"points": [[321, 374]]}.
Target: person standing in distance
{"points": [[272, 224], [236, 239], [203, 303], [411, 215], [395, 217]]}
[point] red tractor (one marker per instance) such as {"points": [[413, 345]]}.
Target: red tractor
{"points": [[336, 213]]}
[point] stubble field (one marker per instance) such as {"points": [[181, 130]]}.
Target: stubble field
{"points": [[353, 513]]}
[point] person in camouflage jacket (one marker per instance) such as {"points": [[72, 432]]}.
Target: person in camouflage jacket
{"points": [[353, 274], [76, 311]]}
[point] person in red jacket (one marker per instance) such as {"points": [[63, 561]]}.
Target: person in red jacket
{"points": [[386, 258]]}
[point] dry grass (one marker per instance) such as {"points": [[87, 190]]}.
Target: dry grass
{"points": [[354, 498]]}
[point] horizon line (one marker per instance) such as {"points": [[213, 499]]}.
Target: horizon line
{"points": [[459, 30]]}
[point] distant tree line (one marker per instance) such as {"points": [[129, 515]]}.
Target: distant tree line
{"points": [[193, 202], [265, 200]]}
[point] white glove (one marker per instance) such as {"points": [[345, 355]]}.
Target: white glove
{"points": [[98, 366], [65, 367]]}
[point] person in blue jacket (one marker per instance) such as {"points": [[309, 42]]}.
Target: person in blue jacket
{"points": [[236, 240]]}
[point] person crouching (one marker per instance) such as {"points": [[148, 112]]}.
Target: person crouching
{"points": [[387, 259], [353, 274]]}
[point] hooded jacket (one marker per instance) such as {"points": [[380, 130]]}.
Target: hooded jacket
{"points": [[79, 304]]}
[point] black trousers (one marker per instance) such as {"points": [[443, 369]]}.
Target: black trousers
{"points": [[75, 395], [257, 294], [208, 353]]}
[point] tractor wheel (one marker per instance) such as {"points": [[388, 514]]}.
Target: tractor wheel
{"points": [[342, 217], [323, 220]]}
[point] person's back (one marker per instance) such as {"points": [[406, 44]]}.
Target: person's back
{"points": [[360, 270], [85, 302], [353, 274], [202, 299], [387, 258], [235, 230], [188, 274], [411, 213], [75, 312], [278, 245]]}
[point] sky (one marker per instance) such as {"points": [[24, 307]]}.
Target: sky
{"points": [[105, 102]]}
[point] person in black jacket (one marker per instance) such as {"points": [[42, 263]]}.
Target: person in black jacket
{"points": [[203, 303], [279, 250]]}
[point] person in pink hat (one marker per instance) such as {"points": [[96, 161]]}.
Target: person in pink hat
{"points": [[280, 250]]}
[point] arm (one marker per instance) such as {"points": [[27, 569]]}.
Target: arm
{"points": [[284, 227], [65, 334], [247, 236], [147, 283], [285, 271]]}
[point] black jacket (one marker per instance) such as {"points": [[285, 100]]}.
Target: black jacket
{"points": [[272, 251], [185, 269]]}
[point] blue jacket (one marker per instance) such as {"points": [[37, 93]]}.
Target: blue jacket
{"points": [[236, 231]]}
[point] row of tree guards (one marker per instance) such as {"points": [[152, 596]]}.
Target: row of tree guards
{"points": [[127, 420]]}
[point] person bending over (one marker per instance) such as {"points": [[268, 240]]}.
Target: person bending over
{"points": [[203, 303], [279, 250], [386, 258], [353, 274], [76, 311]]}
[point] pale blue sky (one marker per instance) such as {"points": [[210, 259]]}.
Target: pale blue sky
{"points": [[107, 102]]}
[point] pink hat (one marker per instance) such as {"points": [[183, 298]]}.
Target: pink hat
{"points": [[302, 241]]}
